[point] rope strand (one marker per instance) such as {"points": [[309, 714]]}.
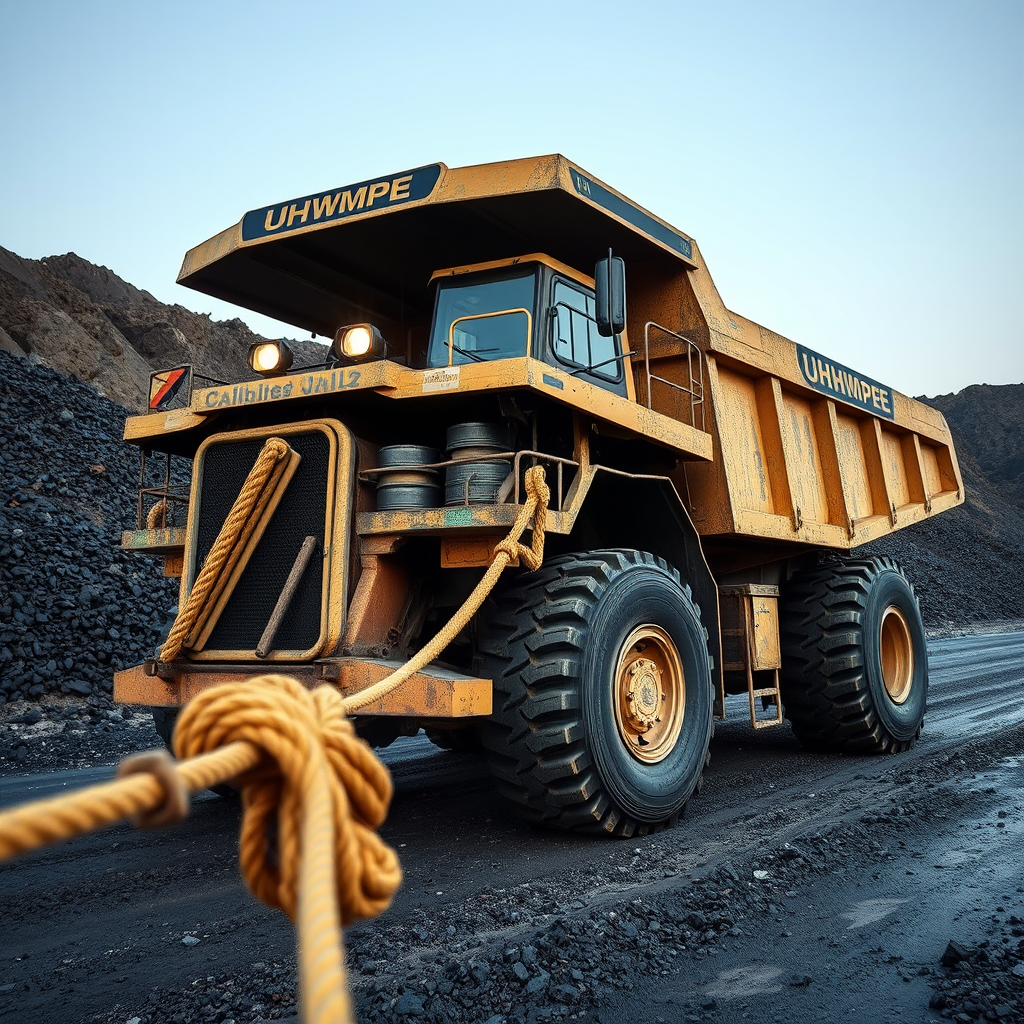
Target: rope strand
{"points": [[305, 777]]}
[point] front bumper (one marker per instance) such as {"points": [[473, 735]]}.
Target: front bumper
{"points": [[433, 692]]}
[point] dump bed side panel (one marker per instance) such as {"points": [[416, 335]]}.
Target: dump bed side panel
{"points": [[806, 450]]}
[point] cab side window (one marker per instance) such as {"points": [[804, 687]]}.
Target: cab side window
{"points": [[576, 340]]}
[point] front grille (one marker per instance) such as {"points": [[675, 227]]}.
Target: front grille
{"points": [[301, 513]]}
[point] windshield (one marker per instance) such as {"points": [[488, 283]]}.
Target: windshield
{"points": [[478, 336]]}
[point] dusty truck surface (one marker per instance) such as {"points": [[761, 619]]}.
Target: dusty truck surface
{"points": [[708, 481]]}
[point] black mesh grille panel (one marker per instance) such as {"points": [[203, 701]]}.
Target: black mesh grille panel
{"points": [[301, 513]]}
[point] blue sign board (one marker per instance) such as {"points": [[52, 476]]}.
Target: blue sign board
{"points": [[840, 382], [628, 212], [337, 204]]}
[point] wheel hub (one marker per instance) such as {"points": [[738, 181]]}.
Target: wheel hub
{"points": [[644, 700], [650, 694], [897, 651]]}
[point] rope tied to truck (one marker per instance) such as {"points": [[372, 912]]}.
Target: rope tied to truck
{"points": [[313, 793], [225, 548], [533, 513]]}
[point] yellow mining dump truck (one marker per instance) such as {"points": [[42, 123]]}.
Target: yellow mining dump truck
{"points": [[708, 480]]}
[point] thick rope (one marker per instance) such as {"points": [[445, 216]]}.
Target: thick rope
{"points": [[272, 452], [306, 779], [304, 775], [534, 513], [156, 518]]}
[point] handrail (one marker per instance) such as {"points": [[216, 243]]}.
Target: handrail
{"points": [[696, 381]]}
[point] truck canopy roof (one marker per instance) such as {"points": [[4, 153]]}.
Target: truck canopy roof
{"points": [[365, 252]]}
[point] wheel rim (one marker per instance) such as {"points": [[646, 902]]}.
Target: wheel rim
{"points": [[650, 694], [897, 649]]}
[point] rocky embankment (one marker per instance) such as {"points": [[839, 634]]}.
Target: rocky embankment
{"points": [[88, 323], [74, 608]]}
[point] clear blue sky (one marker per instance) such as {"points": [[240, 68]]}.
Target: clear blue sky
{"points": [[852, 171]]}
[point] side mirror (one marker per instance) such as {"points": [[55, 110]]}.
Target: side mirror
{"points": [[610, 295]]}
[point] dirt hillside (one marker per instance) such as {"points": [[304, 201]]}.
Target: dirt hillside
{"points": [[86, 322]]}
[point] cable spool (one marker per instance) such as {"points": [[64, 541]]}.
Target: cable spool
{"points": [[475, 483], [403, 485]]}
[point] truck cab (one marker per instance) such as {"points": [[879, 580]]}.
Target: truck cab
{"points": [[530, 306]]}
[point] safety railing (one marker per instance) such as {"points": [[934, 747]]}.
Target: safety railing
{"points": [[161, 497], [694, 385], [512, 489]]}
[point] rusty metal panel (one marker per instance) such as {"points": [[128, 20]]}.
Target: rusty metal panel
{"points": [[765, 650], [468, 552], [742, 443], [432, 692], [806, 475]]}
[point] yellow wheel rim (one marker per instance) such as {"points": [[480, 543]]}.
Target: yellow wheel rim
{"points": [[897, 649], [650, 694]]}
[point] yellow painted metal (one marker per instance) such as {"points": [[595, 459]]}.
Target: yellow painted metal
{"points": [[751, 643], [514, 261], [792, 463], [780, 461], [795, 465], [750, 627], [160, 424], [394, 381], [431, 693], [650, 694], [542, 195]]}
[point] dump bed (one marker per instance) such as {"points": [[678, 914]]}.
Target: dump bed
{"points": [[803, 450]]}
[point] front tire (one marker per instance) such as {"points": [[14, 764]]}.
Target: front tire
{"points": [[854, 659], [602, 693]]}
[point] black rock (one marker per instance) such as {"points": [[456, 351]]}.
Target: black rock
{"points": [[954, 953]]}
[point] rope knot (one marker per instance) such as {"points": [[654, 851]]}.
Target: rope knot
{"points": [[315, 774], [534, 513]]}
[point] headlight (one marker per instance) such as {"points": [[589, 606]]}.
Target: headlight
{"points": [[270, 358], [358, 343]]}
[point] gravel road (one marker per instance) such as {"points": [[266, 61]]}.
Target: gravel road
{"points": [[797, 887]]}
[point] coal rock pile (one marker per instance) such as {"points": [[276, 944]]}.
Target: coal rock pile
{"points": [[985, 982], [74, 608]]}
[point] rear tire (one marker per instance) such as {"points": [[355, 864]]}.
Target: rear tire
{"points": [[854, 660], [602, 693]]}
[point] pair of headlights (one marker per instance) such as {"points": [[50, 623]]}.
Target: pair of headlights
{"points": [[355, 344]]}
